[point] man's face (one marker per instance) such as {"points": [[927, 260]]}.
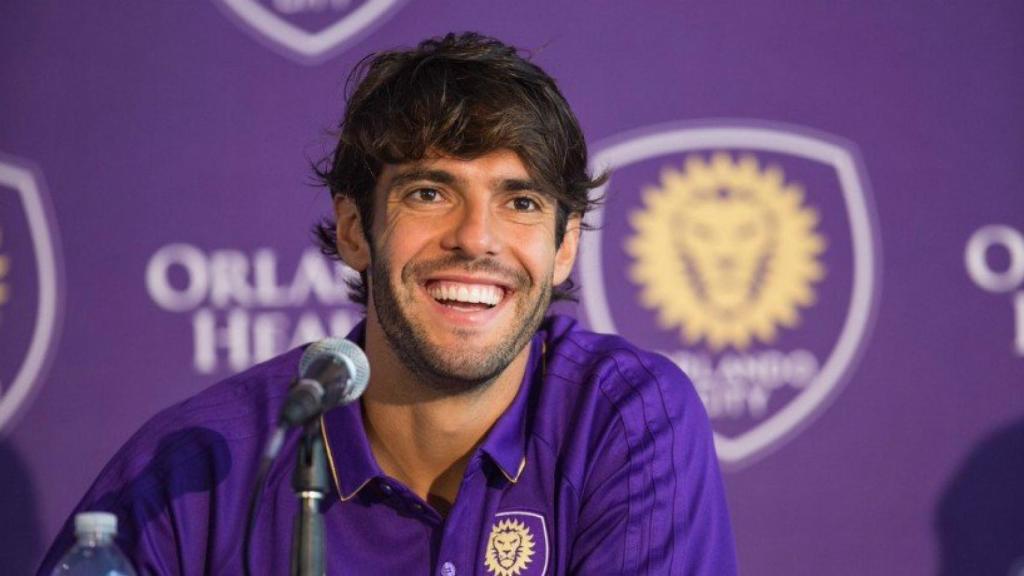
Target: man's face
{"points": [[462, 262]]}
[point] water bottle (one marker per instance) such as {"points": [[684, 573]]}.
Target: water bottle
{"points": [[95, 553]]}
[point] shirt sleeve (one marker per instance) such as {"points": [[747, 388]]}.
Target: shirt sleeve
{"points": [[653, 502], [159, 495], [144, 533]]}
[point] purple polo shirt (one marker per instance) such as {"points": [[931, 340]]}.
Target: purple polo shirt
{"points": [[603, 464]]}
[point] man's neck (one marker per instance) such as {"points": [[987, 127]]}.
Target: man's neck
{"points": [[422, 436]]}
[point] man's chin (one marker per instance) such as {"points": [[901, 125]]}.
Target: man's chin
{"points": [[464, 372]]}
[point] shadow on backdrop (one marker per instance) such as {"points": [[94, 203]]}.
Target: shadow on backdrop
{"points": [[20, 530], [188, 461], [980, 516]]}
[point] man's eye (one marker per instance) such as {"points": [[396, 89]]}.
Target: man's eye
{"points": [[425, 195], [525, 204]]}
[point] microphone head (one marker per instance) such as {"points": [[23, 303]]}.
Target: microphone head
{"points": [[338, 352]]}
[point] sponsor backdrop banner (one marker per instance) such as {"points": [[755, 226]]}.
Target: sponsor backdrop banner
{"points": [[816, 210]]}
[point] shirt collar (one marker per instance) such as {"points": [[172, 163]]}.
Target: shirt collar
{"points": [[505, 444], [346, 442]]}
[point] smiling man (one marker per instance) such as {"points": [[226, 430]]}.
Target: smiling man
{"points": [[493, 439], [462, 257]]}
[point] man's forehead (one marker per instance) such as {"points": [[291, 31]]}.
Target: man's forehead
{"points": [[498, 164]]}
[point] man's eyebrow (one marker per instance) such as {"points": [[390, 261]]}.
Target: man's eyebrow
{"points": [[520, 185], [421, 174]]}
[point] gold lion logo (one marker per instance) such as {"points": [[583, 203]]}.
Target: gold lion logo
{"points": [[509, 548], [726, 251]]}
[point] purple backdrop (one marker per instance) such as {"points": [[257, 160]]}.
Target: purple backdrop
{"points": [[853, 169]]}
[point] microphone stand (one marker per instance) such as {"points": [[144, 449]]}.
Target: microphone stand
{"points": [[310, 483]]}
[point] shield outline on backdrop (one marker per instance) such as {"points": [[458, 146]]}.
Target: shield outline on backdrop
{"points": [[643, 144], [18, 176], [307, 47]]}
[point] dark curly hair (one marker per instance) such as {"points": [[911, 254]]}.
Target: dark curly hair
{"points": [[463, 95]]}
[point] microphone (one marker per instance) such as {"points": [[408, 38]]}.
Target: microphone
{"points": [[332, 372]]}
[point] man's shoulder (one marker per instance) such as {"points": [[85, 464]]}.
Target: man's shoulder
{"points": [[610, 382], [606, 402], [206, 444], [209, 426], [627, 432], [584, 358], [253, 393]]}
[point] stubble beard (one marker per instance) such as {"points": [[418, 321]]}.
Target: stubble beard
{"points": [[451, 371]]}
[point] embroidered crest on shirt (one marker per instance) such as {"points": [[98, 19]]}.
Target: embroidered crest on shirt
{"points": [[517, 545]]}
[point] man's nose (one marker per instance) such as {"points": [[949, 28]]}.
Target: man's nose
{"points": [[473, 230]]}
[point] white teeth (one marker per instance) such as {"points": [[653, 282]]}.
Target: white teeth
{"points": [[469, 293]]}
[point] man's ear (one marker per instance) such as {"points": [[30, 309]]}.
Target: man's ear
{"points": [[353, 247], [565, 256]]}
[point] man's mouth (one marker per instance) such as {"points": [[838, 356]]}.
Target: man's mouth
{"points": [[465, 296]]}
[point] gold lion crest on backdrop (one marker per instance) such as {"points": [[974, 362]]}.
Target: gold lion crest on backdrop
{"points": [[510, 548], [725, 251]]}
